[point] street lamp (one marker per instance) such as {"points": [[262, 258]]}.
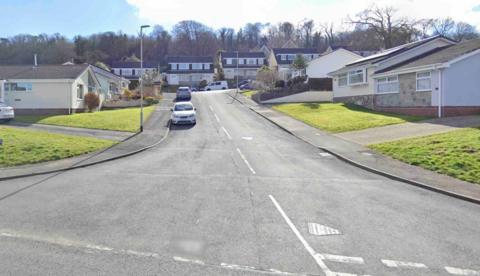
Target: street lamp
{"points": [[141, 75], [237, 74]]}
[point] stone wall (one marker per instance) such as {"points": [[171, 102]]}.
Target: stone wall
{"points": [[407, 95], [364, 100]]}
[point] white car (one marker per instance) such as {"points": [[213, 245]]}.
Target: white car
{"points": [[217, 85], [183, 113], [6, 112]]}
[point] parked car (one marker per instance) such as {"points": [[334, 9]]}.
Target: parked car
{"points": [[183, 113], [6, 112], [246, 86], [183, 94], [243, 82], [217, 85]]}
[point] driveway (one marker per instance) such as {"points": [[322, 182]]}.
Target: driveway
{"points": [[407, 130], [233, 195]]}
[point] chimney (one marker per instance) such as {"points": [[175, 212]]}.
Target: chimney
{"points": [[35, 60]]}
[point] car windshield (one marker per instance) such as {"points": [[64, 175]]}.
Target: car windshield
{"points": [[183, 107], [183, 89]]}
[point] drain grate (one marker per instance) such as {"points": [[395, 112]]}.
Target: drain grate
{"points": [[321, 230]]}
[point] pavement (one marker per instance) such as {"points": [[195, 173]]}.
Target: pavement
{"points": [[232, 195], [86, 132], [382, 134], [155, 129]]}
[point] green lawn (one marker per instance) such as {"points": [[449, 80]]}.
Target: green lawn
{"points": [[339, 117], [249, 93], [455, 153], [28, 147], [127, 119]]}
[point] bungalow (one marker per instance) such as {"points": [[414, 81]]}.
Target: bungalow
{"points": [[281, 59], [354, 83], [189, 70], [110, 84], [247, 63], [51, 89], [329, 61], [442, 82], [133, 70]]}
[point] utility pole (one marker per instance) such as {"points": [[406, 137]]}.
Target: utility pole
{"points": [[141, 75]]}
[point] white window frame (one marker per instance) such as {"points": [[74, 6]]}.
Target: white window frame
{"points": [[251, 61], [183, 66], [389, 80], [197, 66], [229, 61], [27, 85], [363, 72], [423, 78], [283, 57], [343, 76], [82, 94]]}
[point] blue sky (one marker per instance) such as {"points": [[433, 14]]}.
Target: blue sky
{"points": [[72, 17]]}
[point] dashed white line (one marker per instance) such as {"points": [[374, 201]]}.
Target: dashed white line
{"points": [[211, 108], [343, 259], [216, 117], [393, 263], [185, 260], [460, 271], [325, 154], [246, 161], [226, 132]]}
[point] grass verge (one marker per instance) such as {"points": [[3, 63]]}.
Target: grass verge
{"points": [[456, 153], [249, 93], [27, 147], [339, 117], [127, 119]]}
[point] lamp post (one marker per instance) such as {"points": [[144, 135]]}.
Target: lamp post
{"points": [[141, 75], [237, 74]]}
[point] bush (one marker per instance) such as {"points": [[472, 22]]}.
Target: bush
{"points": [[151, 101], [202, 84], [127, 94], [280, 83], [92, 101]]}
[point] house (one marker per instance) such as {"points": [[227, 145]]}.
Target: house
{"points": [[244, 65], [361, 52], [132, 70], [319, 67], [110, 83], [50, 89], [281, 59], [189, 70], [442, 82], [354, 83]]}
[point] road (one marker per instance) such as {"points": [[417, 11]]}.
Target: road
{"points": [[233, 195]]}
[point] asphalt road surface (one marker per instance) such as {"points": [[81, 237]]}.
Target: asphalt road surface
{"points": [[233, 195]]}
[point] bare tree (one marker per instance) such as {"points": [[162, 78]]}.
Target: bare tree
{"points": [[327, 29], [444, 26], [464, 31], [383, 21], [307, 32]]}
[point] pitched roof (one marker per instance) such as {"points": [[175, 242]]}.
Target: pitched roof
{"points": [[243, 54], [438, 56], [295, 51], [42, 71], [103, 72], [134, 64], [395, 51], [195, 59]]}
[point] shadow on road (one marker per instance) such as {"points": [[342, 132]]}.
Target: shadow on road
{"points": [[181, 127]]}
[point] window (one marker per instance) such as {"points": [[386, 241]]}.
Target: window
{"points": [[173, 66], [229, 61], [79, 91], [342, 80], [283, 57], [424, 81], [387, 84], [18, 86], [260, 61], [133, 72], [251, 61], [290, 57], [197, 66], [356, 77], [206, 66], [241, 61], [183, 66]]}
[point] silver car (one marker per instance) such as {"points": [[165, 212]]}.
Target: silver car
{"points": [[183, 113], [6, 112]]}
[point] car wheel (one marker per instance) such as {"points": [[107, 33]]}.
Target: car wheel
{"points": [[208, 89], [224, 88]]}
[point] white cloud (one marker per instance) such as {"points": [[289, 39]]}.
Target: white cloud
{"points": [[236, 13]]}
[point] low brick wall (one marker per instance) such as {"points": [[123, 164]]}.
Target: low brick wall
{"points": [[45, 111], [432, 111], [363, 100]]}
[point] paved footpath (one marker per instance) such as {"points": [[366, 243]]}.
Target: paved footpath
{"points": [[364, 156], [408, 130]]}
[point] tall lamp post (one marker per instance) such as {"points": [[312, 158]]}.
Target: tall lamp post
{"points": [[141, 75], [237, 74]]}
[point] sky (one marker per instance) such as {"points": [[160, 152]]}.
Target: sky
{"points": [[73, 17]]}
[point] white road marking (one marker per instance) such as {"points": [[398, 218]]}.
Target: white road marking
{"points": [[393, 263], [317, 257], [216, 117], [246, 161], [211, 108], [460, 271], [185, 260], [226, 132], [325, 154], [248, 138], [343, 259], [321, 230]]}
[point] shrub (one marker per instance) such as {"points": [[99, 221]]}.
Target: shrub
{"points": [[92, 101], [151, 101], [202, 84], [127, 94], [280, 83]]}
